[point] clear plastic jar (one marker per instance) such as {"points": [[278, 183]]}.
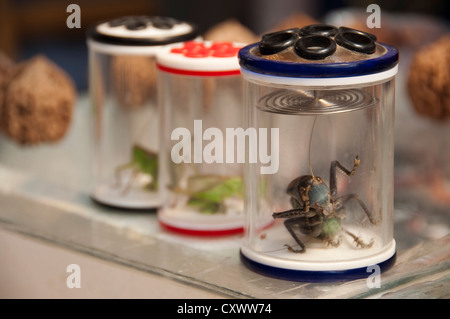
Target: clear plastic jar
{"points": [[329, 205], [201, 98], [122, 85]]}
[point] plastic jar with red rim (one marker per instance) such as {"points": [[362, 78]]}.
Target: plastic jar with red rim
{"points": [[201, 100]]}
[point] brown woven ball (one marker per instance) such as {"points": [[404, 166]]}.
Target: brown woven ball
{"points": [[134, 79], [429, 80], [295, 20], [38, 102], [230, 30]]}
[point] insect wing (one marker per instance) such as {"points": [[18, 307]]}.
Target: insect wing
{"points": [[221, 190], [211, 199]]}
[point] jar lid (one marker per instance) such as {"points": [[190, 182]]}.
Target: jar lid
{"points": [[200, 58], [139, 33], [321, 54]]}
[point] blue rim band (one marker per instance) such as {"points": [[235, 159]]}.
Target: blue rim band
{"points": [[261, 65], [314, 276]]}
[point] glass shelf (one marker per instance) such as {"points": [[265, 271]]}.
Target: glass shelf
{"points": [[44, 194]]}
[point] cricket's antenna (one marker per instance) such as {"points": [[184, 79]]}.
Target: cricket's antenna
{"points": [[309, 150]]}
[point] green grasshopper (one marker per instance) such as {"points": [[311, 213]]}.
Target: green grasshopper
{"points": [[208, 192], [143, 162]]}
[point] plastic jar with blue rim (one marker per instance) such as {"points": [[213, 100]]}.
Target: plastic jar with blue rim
{"points": [[326, 211], [125, 114]]}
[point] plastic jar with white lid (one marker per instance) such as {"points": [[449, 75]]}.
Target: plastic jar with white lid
{"points": [[125, 114]]}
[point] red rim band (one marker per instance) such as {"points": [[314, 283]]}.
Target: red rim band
{"points": [[195, 232]]}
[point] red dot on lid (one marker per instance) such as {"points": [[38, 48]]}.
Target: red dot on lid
{"points": [[197, 53], [226, 52], [178, 50], [221, 45], [194, 49], [193, 45]]}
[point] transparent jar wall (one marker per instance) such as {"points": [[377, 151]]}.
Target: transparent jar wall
{"points": [[203, 191], [366, 132], [125, 130]]}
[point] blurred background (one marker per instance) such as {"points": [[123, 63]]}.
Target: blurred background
{"points": [[422, 141], [29, 27]]}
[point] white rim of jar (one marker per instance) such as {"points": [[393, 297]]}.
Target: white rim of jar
{"points": [[362, 80]]}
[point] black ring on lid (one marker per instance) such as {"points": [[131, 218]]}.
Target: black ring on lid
{"points": [[325, 30], [136, 25], [164, 22], [315, 47], [355, 40], [370, 35], [142, 22], [275, 42]]}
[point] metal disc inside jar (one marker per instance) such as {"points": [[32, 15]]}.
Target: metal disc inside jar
{"points": [[285, 101]]}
